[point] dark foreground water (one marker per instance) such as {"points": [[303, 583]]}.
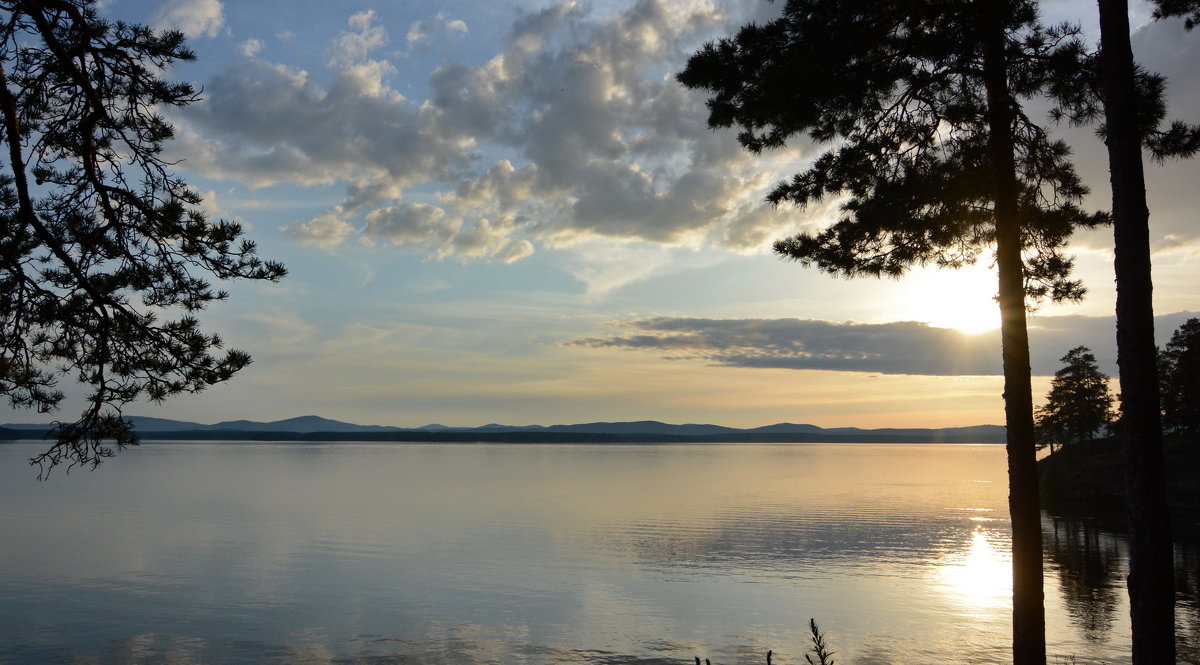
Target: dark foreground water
{"points": [[381, 554]]}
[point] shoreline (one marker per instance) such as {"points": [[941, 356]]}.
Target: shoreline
{"points": [[1087, 480]]}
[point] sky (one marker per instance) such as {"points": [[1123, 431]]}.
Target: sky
{"points": [[511, 212]]}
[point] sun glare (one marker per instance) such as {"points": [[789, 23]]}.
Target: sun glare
{"points": [[979, 576], [963, 300]]}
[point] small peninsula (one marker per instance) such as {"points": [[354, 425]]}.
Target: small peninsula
{"points": [[1088, 479]]}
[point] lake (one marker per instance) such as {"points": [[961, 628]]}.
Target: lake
{"points": [[239, 553]]}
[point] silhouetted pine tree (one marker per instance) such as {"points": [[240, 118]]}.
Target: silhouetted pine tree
{"points": [[98, 238], [1189, 9], [1133, 108], [1180, 379], [1079, 403], [935, 160]]}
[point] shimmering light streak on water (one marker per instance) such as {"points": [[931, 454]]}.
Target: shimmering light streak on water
{"points": [[979, 576], [615, 554]]}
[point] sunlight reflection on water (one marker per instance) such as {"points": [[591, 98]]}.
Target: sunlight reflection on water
{"points": [[979, 575], [638, 554]]}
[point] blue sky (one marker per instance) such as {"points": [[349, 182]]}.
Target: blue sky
{"points": [[510, 212]]}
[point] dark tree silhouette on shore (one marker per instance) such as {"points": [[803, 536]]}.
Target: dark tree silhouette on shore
{"points": [[1079, 403], [99, 240], [1180, 379], [935, 161]]}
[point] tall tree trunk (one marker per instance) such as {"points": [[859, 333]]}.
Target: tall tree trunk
{"points": [[1029, 617], [1151, 578]]}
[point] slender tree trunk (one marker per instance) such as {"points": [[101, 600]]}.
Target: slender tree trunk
{"points": [[1151, 576], [1029, 618]]}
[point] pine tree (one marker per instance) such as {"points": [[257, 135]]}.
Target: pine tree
{"points": [[1189, 9], [934, 160], [1079, 403], [99, 240], [1180, 376], [1130, 101], [1133, 108]]}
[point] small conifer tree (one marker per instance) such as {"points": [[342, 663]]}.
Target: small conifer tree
{"points": [[1180, 375], [1079, 404]]}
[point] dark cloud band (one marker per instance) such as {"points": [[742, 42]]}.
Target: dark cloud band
{"points": [[906, 347]]}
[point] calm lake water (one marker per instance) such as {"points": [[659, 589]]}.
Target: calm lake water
{"points": [[382, 554]]}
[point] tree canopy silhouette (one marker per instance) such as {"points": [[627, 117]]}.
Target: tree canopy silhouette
{"points": [[1188, 9], [933, 160], [1180, 376], [1079, 403], [104, 252]]}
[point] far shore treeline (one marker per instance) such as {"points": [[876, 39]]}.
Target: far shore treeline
{"points": [[651, 432]]}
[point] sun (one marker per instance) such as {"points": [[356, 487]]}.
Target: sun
{"points": [[967, 316], [962, 300]]}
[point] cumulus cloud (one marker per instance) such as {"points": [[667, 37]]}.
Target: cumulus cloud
{"points": [[600, 147], [214, 210], [485, 239], [328, 230], [416, 224], [264, 124], [886, 348], [252, 47], [196, 18], [422, 33], [354, 45], [574, 129]]}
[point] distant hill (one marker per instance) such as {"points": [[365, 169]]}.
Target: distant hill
{"points": [[300, 424], [318, 428], [788, 428], [140, 423], [644, 427], [148, 424]]}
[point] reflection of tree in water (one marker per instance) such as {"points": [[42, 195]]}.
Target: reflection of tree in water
{"points": [[1091, 566], [1091, 572], [1187, 603]]}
